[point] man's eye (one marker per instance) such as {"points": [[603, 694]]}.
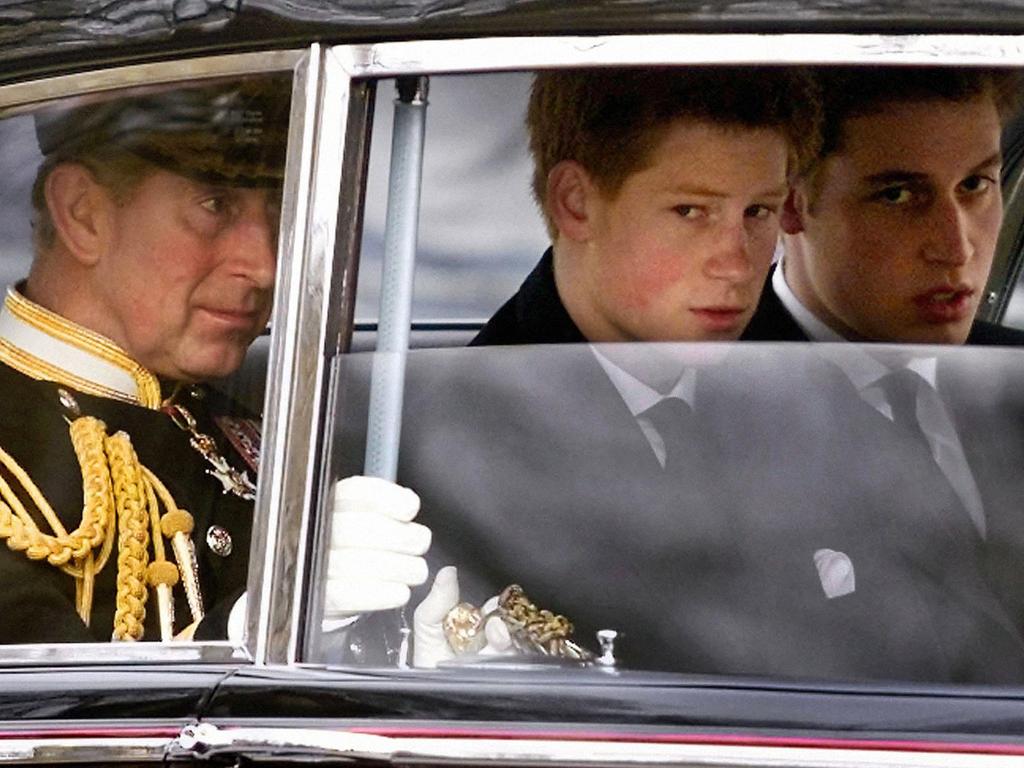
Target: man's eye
{"points": [[214, 204], [759, 212], [895, 195], [976, 184], [689, 211]]}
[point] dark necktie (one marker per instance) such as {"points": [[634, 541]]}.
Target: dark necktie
{"points": [[901, 387], [673, 419]]}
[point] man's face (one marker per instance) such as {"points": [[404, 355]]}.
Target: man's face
{"points": [[681, 251], [899, 227], [185, 278]]}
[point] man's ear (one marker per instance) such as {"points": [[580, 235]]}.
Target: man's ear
{"points": [[568, 195], [79, 207], [793, 210]]}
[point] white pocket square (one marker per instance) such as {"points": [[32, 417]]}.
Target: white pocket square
{"points": [[835, 569]]}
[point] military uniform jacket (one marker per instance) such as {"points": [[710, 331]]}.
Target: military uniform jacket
{"points": [[37, 602]]}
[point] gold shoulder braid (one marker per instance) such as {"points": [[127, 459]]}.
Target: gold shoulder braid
{"points": [[122, 499]]}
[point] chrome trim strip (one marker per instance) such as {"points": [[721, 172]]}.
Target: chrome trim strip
{"points": [[21, 94], [117, 653], [1007, 263], [100, 750], [494, 54], [206, 739], [339, 325], [296, 367]]}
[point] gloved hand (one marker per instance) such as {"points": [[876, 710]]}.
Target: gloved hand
{"points": [[430, 646], [376, 550]]}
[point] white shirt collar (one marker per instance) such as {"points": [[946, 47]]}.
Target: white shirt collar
{"points": [[861, 367], [640, 396], [864, 369], [814, 328]]}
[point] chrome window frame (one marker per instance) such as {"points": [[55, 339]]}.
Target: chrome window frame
{"points": [[370, 62]]}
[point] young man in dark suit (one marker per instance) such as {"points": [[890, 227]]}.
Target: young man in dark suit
{"points": [[889, 237], [661, 189], [891, 229]]}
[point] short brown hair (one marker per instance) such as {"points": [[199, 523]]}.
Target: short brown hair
{"points": [[851, 91], [609, 120], [119, 171]]}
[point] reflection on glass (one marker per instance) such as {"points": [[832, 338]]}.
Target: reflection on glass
{"points": [[782, 512], [126, 479]]}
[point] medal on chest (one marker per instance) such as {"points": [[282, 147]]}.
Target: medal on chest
{"points": [[232, 480]]}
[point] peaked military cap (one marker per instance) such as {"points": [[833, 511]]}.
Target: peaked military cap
{"points": [[229, 132]]}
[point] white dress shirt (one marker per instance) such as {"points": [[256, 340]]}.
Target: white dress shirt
{"points": [[639, 397], [865, 372]]}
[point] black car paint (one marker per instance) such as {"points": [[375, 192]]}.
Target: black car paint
{"points": [[45, 37], [559, 702]]}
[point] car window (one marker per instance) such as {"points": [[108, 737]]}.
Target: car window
{"points": [[479, 231], [140, 231], [798, 529], [792, 528]]}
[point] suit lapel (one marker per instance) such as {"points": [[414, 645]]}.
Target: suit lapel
{"points": [[772, 321]]}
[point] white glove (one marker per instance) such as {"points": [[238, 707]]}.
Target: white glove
{"points": [[430, 646], [376, 550], [236, 619]]}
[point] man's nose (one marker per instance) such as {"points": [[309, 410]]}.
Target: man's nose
{"points": [[949, 233], [254, 246], [729, 257]]}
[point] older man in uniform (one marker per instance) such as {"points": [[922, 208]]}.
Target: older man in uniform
{"points": [[126, 484]]}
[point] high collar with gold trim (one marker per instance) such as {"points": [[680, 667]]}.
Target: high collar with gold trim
{"points": [[47, 347]]}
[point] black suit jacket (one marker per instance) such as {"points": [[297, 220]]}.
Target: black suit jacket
{"points": [[532, 470], [988, 417], [534, 315], [986, 395], [772, 322], [835, 476]]}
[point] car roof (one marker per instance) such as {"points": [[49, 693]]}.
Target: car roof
{"points": [[48, 37]]}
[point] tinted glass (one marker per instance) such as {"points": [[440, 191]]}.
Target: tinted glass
{"points": [[789, 519], [146, 223]]}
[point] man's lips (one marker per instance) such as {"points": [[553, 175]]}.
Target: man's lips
{"points": [[719, 318], [235, 317], [945, 304]]}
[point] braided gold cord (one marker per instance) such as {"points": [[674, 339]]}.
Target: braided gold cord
{"points": [[88, 436], [121, 499], [154, 515], [62, 549], [16, 526], [133, 518], [84, 589]]}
